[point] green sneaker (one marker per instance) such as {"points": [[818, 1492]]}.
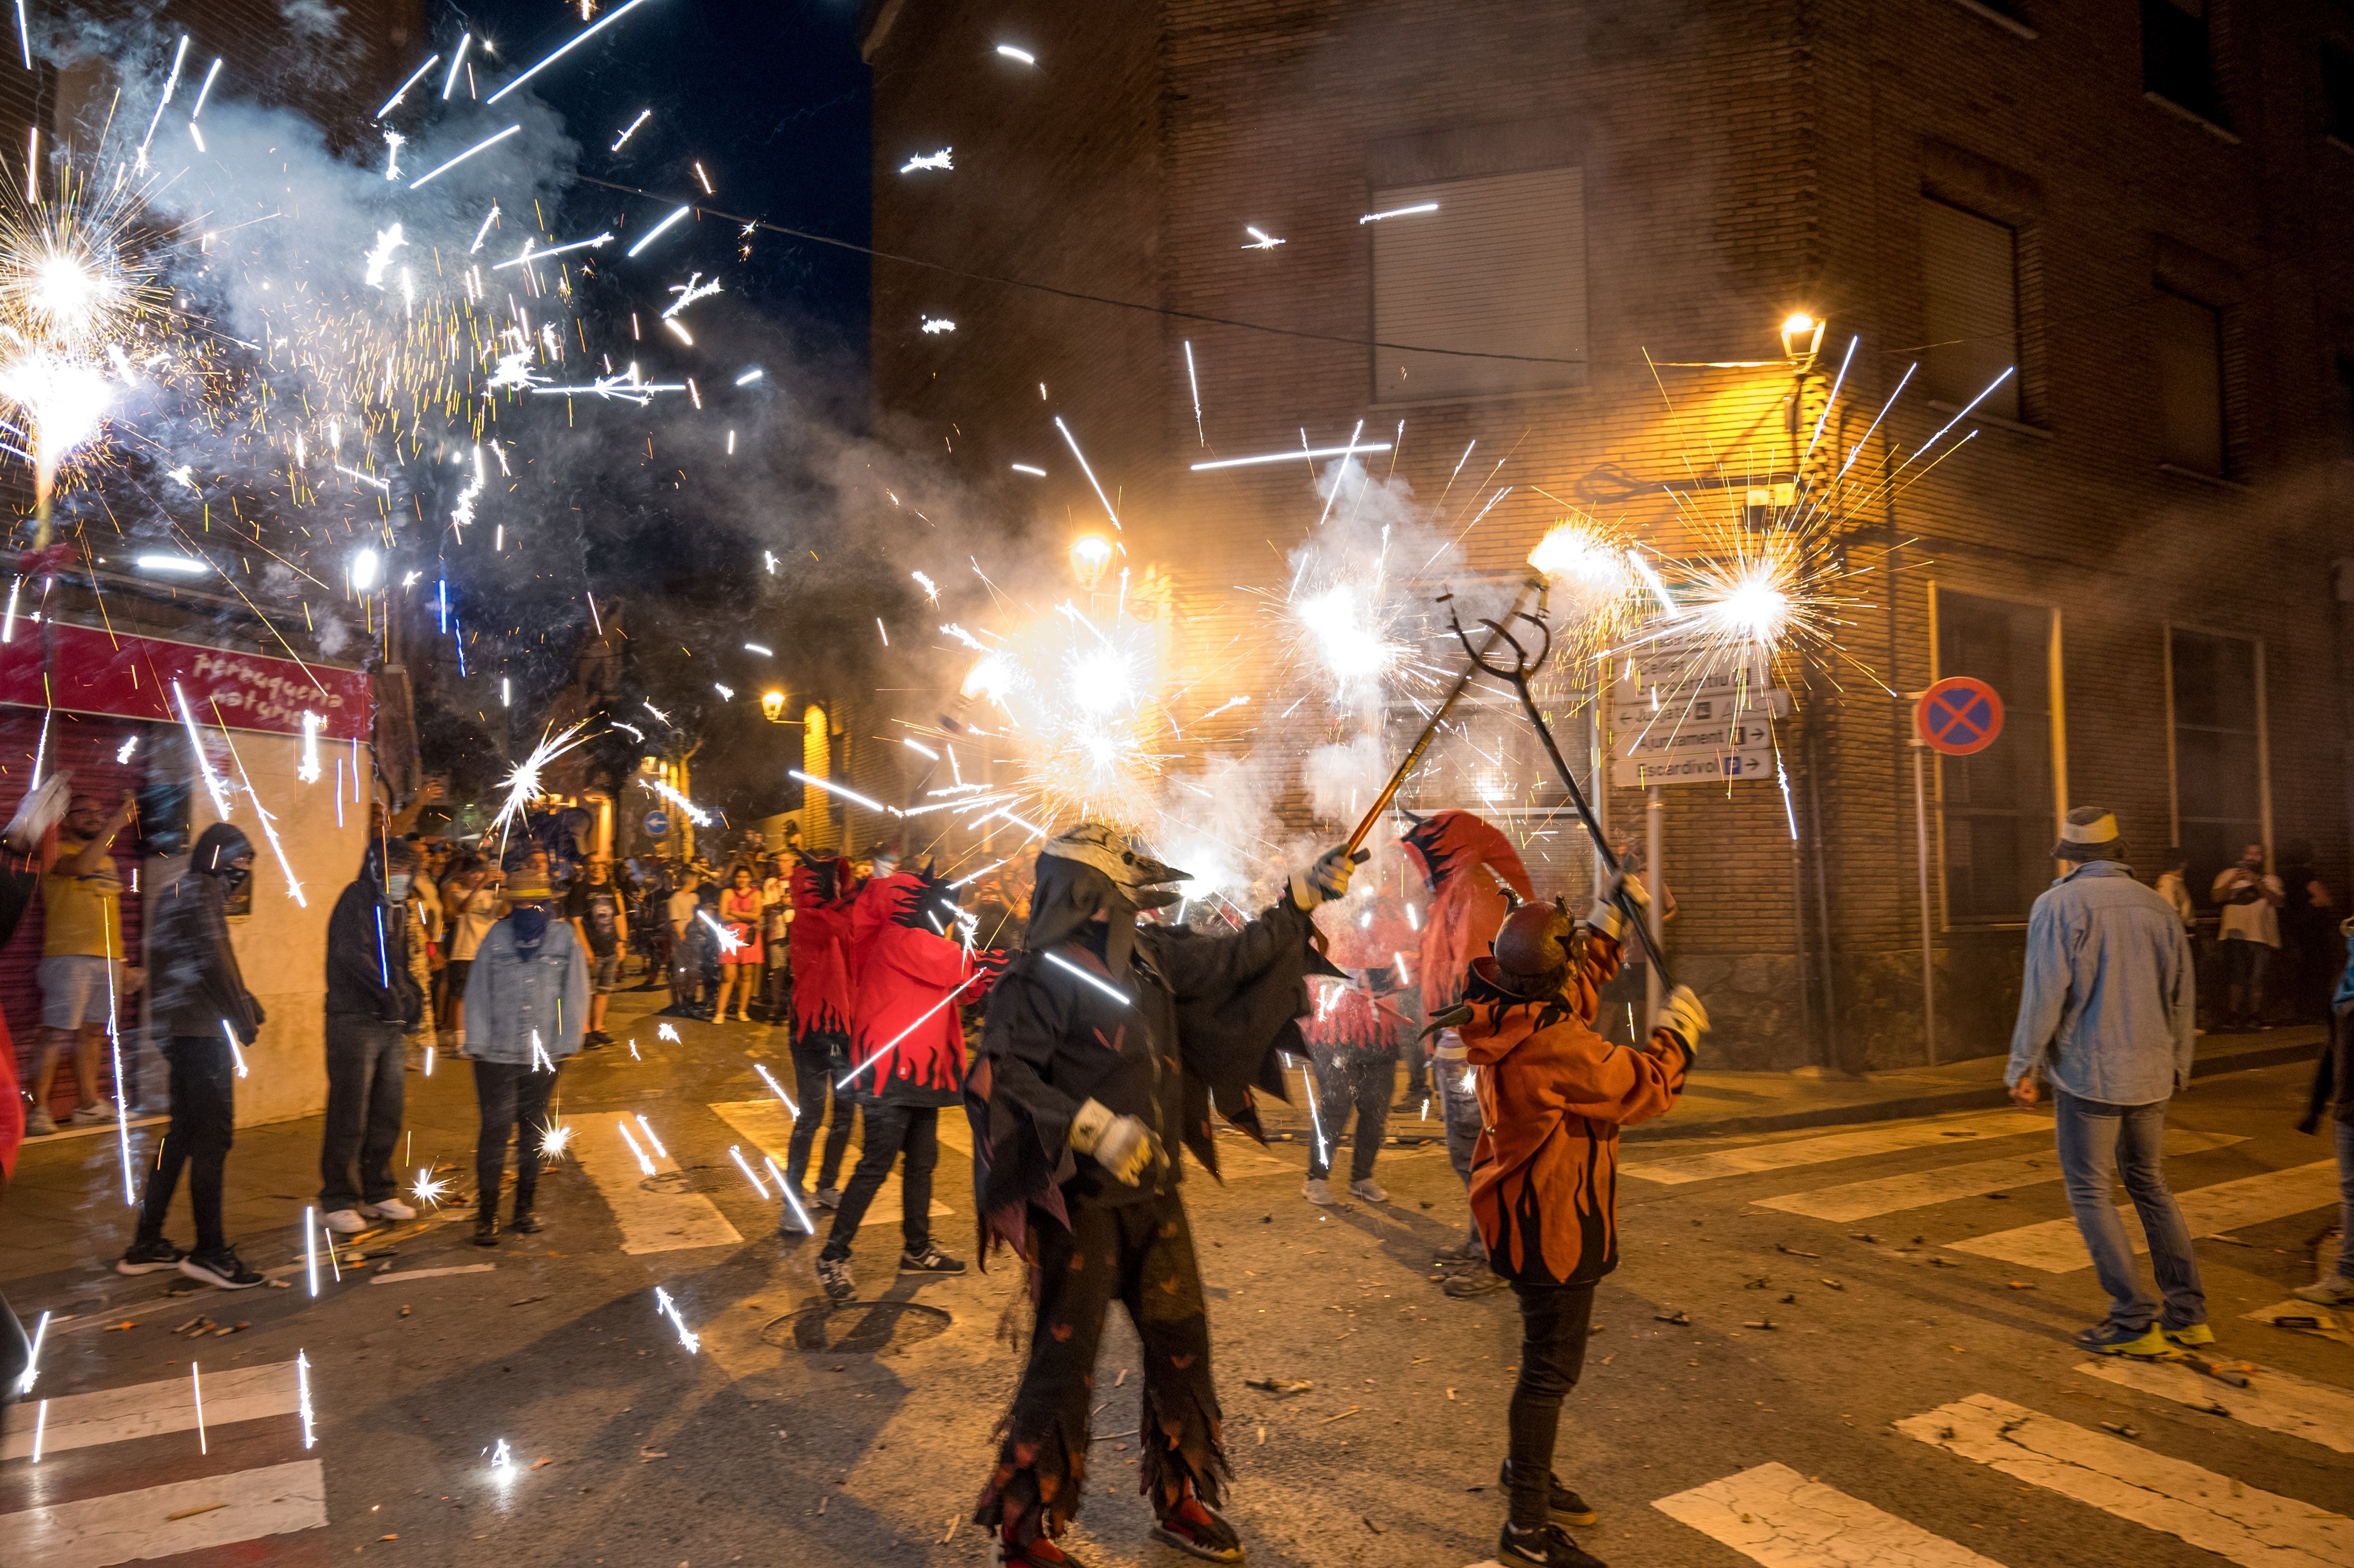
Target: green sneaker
{"points": [[2193, 1334], [2113, 1338]]}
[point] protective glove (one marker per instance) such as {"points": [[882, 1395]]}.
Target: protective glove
{"points": [[1122, 1145], [1681, 1015], [1606, 916], [38, 812], [1328, 879]]}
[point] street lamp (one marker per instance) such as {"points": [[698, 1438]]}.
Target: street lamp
{"points": [[1090, 553], [1802, 336], [772, 706]]}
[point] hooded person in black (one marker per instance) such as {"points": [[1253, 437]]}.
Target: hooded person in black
{"points": [[1106, 1046], [373, 1002], [201, 1008]]}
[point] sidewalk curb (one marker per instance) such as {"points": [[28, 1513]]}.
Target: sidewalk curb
{"points": [[1975, 1098]]}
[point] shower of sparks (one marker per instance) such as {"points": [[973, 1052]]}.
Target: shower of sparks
{"points": [[394, 101], [483, 145], [554, 1140], [644, 1164], [630, 129], [778, 1089], [575, 42], [1592, 586], [303, 1396], [939, 160], [651, 234], [695, 813], [1352, 447], [1260, 239], [669, 1308], [936, 324], [428, 1189], [735, 1152], [502, 1461], [523, 784]]}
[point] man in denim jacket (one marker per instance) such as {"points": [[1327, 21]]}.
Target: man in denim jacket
{"points": [[2106, 1013], [526, 1004]]}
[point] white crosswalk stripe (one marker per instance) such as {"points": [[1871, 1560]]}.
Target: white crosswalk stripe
{"points": [[1776, 1516], [2056, 1247], [1941, 1132], [1853, 1200], [2276, 1401], [145, 1410], [2327, 1325], [652, 1219], [163, 1522], [2238, 1522]]}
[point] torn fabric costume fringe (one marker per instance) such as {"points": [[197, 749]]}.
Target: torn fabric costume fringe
{"points": [[1204, 1019]]}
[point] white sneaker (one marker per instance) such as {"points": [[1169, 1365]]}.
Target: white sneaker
{"points": [[39, 1123], [91, 1115], [346, 1222], [391, 1209], [1370, 1190], [2338, 1290], [1316, 1190]]}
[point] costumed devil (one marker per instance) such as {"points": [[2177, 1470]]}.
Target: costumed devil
{"points": [[1475, 877], [1552, 1093], [908, 1051], [1106, 1046], [1352, 1040], [819, 938]]}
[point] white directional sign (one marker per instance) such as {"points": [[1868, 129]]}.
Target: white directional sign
{"points": [[1689, 717]]}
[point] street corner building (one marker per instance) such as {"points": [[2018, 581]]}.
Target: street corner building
{"points": [[1699, 270]]}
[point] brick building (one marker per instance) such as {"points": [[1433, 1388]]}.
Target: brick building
{"points": [[2142, 206]]}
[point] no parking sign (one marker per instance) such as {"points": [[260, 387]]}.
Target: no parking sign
{"points": [[1958, 716]]}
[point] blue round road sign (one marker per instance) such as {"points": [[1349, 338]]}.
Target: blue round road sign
{"points": [[1958, 716], [657, 824]]}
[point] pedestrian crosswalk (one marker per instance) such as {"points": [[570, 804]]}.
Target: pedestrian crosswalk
{"points": [[765, 1124], [654, 1215], [1853, 1200], [1940, 1131], [46, 1437], [2055, 1246], [2221, 1514], [1772, 1514], [2259, 1396]]}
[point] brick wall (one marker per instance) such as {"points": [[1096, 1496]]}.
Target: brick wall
{"points": [[1738, 162]]}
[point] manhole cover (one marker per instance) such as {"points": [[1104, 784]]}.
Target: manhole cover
{"points": [[863, 1326]]}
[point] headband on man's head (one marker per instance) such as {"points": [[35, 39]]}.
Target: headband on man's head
{"points": [[2100, 830]]}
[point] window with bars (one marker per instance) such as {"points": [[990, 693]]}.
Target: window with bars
{"points": [[2218, 752], [1969, 308], [1999, 807], [1498, 267]]}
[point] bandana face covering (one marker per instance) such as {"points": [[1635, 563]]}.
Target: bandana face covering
{"points": [[529, 926]]}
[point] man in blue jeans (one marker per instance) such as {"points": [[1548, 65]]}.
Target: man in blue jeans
{"points": [[2106, 1014]]}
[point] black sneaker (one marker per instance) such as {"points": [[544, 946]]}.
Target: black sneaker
{"points": [[147, 1257], [525, 1222], [931, 1260], [834, 1279], [1483, 1283], [1196, 1529], [221, 1270], [487, 1230], [1548, 1547], [1567, 1506]]}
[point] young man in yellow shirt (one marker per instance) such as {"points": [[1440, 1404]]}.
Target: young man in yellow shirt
{"points": [[82, 968]]}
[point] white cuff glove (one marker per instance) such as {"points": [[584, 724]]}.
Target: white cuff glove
{"points": [[1328, 879], [1606, 916], [1122, 1145], [1681, 1015]]}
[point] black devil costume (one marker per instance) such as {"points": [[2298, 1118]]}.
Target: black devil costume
{"points": [[1106, 1045]]}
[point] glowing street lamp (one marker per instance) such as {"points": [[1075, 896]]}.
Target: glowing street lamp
{"points": [[772, 706], [1802, 337], [1090, 554]]}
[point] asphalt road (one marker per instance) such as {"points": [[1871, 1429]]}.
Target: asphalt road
{"points": [[1915, 1393]]}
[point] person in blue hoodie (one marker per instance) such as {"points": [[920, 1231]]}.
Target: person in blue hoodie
{"points": [[527, 1006]]}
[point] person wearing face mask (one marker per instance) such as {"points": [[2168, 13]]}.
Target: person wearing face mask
{"points": [[526, 1004], [373, 1002], [203, 1014], [1107, 1044]]}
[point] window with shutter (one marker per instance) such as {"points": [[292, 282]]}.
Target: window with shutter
{"points": [[1498, 269], [2189, 345], [1969, 307]]}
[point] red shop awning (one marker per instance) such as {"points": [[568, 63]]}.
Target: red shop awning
{"points": [[84, 669]]}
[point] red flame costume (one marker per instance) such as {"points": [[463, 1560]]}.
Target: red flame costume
{"points": [[1466, 908], [907, 969], [819, 935]]}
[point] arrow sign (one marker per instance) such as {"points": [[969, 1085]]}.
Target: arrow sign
{"points": [[1959, 715]]}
